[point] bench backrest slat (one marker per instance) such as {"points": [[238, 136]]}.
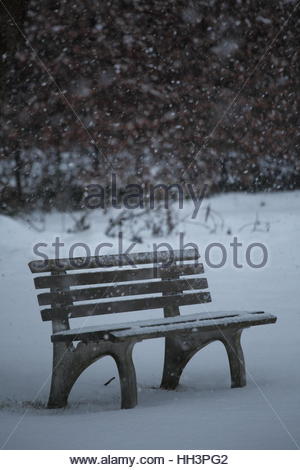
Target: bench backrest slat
{"points": [[104, 308], [105, 277], [96, 262], [122, 290], [95, 290]]}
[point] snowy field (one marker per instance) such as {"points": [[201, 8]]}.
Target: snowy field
{"points": [[204, 413]]}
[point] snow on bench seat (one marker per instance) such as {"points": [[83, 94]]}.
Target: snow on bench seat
{"points": [[162, 326]]}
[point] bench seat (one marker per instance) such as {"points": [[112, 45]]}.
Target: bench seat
{"points": [[160, 327]]}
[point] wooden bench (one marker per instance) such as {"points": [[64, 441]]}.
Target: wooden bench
{"points": [[80, 287]]}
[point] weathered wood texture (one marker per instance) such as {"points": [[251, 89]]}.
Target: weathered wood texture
{"points": [[173, 283], [165, 326], [105, 277], [122, 290], [93, 262], [111, 307]]}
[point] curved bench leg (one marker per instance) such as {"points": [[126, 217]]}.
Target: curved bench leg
{"points": [[68, 365], [63, 377], [172, 365], [180, 349], [176, 358], [123, 357], [232, 343]]}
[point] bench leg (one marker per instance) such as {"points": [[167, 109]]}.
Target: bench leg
{"points": [[180, 349], [62, 381], [123, 358], [68, 365], [232, 343], [175, 361]]}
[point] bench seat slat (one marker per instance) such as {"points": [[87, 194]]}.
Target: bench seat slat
{"points": [[126, 325], [121, 290], [64, 281], [104, 308], [161, 327], [204, 325], [93, 262]]}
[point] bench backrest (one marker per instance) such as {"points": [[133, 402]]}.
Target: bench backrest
{"points": [[115, 277]]}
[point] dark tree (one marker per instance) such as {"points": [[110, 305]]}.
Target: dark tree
{"points": [[163, 90]]}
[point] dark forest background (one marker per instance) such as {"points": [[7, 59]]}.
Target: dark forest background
{"points": [[154, 91]]}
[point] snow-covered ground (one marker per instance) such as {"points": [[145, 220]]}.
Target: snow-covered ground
{"points": [[204, 413]]}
